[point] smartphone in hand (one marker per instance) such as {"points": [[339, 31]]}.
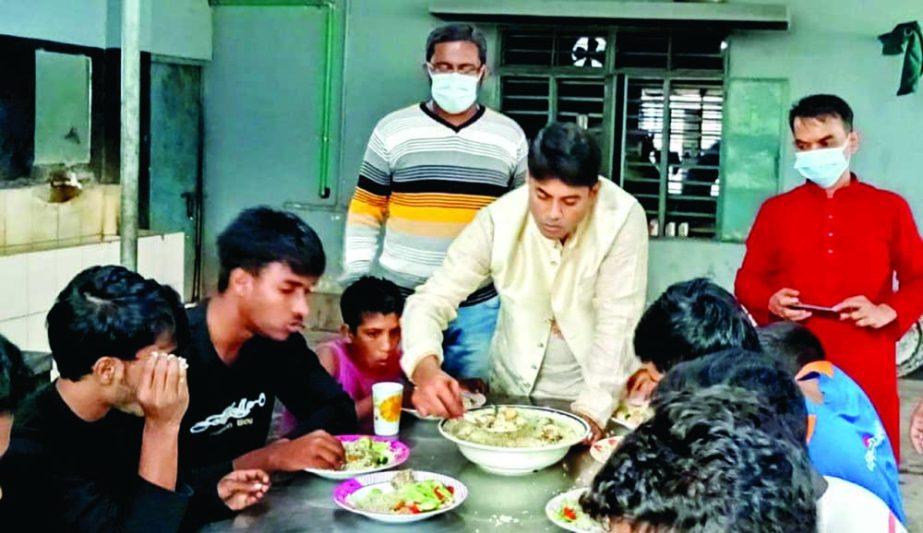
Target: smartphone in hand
{"points": [[816, 309]]}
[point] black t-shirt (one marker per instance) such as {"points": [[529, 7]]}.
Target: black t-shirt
{"points": [[17, 463], [84, 475], [230, 407]]}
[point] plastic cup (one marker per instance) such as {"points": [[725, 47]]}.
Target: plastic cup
{"points": [[386, 398]]}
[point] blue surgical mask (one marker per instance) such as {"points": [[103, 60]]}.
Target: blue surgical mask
{"points": [[455, 92], [824, 166]]}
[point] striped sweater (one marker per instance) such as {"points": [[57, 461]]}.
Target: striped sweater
{"points": [[424, 180]]}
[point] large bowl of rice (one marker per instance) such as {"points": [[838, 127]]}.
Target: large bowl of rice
{"points": [[514, 440]]}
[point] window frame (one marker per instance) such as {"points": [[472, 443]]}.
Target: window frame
{"points": [[615, 81]]}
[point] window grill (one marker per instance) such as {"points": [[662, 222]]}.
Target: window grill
{"points": [[614, 83]]}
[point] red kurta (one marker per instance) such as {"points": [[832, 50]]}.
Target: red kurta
{"points": [[831, 249]]}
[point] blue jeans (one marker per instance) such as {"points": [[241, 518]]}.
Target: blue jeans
{"points": [[466, 342]]}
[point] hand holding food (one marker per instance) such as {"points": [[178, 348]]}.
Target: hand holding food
{"points": [[436, 393]]}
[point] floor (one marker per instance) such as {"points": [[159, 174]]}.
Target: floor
{"points": [[912, 464]]}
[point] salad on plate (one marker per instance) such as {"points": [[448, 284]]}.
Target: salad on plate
{"points": [[565, 511], [405, 495], [400, 497], [366, 454]]}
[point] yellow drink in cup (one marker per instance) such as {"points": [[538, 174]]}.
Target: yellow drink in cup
{"points": [[386, 398]]}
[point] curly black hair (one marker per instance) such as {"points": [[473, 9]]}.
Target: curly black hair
{"points": [[702, 464], [755, 372]]}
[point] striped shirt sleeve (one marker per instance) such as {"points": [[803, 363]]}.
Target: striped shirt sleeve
{"points": [[522, 165], [368, 210]]}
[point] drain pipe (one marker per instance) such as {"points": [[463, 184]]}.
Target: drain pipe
{"points": [[130, 131], [323, 182], [323, 176]]}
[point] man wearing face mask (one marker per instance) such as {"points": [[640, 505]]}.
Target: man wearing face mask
{"points": [[427, 171], [837, 243]]}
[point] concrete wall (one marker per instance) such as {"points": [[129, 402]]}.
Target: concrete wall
{"points": [[263, 101], [257, 144], [673, 260], [835, 50], [826, 51], [65, 21], [180, 28]]}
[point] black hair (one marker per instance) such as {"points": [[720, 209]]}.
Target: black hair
{"points": [[368, 296], [703, 464], [111, 311], [260, 236], [453, 33], [821, 106], [691, 319], [755, 372], [793, 345], [14, 376], [567, 152]]}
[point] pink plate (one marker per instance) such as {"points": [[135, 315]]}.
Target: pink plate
{"points": [[399, 451], [603, 448]]}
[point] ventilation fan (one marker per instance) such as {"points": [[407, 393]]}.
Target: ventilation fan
{"points": [[589, 52]]}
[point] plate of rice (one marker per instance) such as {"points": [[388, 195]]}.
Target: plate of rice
{"points": [[514, 440], [366, 454], [631, 415], [400, 497]]}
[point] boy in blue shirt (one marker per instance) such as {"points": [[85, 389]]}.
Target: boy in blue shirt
{"points": [[846, 438]]}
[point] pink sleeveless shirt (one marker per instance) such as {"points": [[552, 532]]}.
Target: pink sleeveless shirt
{"points": [[356, 382]]}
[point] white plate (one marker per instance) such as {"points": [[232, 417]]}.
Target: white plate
{"points": [[399, 454], [603, 448], [521, 461], [357, 487], [619, 419], [554, 505], [416, 413], [472, 400]]}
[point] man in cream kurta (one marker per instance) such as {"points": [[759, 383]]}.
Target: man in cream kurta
{"points": [[568, 256]]}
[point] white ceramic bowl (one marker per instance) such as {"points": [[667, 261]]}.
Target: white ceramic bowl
{"points": [[520, 461]]}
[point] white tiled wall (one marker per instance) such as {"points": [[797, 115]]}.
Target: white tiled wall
{"points": [[29, 282], [29, 220]]}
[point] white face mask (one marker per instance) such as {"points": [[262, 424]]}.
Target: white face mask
{"points": [[455, 93], [824, 166]]}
